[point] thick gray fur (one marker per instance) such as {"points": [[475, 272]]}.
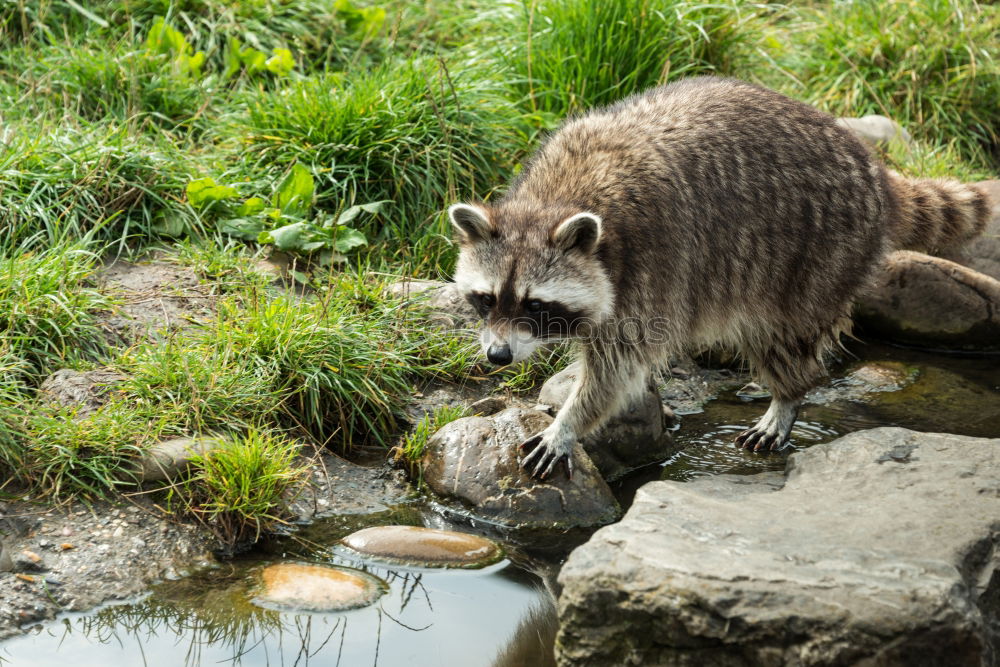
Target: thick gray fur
{"points": [[720, 213]]}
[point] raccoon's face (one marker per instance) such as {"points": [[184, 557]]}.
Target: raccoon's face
{"points": [[531, 277]]}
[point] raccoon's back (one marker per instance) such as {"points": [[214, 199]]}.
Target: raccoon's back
{"points": [[722, 193]]}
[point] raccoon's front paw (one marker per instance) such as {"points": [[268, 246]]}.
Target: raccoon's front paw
{"points": [[771, 432], [543, 452]]}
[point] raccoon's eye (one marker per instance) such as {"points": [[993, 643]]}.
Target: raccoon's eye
{"points": [[487, 300], [533, 306]]}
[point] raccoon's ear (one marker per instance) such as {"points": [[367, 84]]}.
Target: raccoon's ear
{"points": [[470, 222], [578, 232]]}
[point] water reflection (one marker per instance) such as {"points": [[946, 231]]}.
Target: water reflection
{"points": [[428, 617]]}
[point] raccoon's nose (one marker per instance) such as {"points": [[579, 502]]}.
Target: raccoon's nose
{"points": [[499, 355]]}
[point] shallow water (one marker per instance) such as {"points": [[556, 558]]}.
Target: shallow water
{"points": [[501, 615], [949, 394]]}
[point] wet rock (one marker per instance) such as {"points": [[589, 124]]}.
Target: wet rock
{"points": [[875, 129], [635, 438], [485, 407], [85, 390], [865, 380], [475, 461], [316, 588], [424, 547], [165, 460], [448, 307], [878, 548], [933, 302], [752, 391]]}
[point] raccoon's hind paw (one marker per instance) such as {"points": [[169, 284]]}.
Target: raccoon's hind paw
{"points": [[772, 430], [542, 456]]}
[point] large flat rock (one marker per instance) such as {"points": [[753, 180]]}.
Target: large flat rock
{"points": [[880, 548]]}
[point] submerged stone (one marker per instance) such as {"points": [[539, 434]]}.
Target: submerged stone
{"points": [[317, 588], [425, 547]]}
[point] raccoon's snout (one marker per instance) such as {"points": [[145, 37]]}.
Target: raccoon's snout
{"points": [[500, 355]]}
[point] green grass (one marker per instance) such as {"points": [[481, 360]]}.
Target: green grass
{"points": [[67, 182], [421, 133], [48, 309], [241, 489], [569, 55], [55, 453], [410, 449], [933, 65]]}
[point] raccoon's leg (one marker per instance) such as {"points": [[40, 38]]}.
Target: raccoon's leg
{"points": [[601, 390], [790, 370]]}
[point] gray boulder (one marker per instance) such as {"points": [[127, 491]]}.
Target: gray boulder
{"points": [[636, 437], [167, 459], [474, 460], [880, 548], [876, 130], [933, 302]]}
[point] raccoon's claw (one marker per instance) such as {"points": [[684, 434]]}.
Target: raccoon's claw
{"points": [[541, 459], [757, 439]]}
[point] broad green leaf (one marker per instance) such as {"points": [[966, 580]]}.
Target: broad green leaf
{"points": [[289, 237], [248, 229], [233, 61], [295, 192], [251, 206], [204, 191], [281, 63], [253, 59], [348, 239], [350, 214]]}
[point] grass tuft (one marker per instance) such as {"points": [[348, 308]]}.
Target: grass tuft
{"points": [[933, 65], [48, 306], [239, 490], [570, 55]]}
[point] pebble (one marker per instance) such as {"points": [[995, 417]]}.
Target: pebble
{"points": [[425, 547], [317, 588]]}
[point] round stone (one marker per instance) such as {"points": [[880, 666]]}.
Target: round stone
{"points": [[301, 587], [424, 547]]}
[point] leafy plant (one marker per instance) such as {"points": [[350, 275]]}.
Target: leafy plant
{"points": [[239, 57], [166, 41], [289, 224]]}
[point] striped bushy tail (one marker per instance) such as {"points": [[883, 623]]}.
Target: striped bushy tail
{"points": [[934, 215]]}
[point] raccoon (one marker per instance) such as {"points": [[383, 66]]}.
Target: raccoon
{"points": [[708, 211]]}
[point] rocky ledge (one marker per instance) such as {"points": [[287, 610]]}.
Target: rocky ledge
{"points": [[881, 548]]}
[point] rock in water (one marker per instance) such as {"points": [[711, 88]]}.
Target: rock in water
{"points": [[475, 460], [634, 438], [879, 548], [318, 588], [933, 302], [424, 547]]}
